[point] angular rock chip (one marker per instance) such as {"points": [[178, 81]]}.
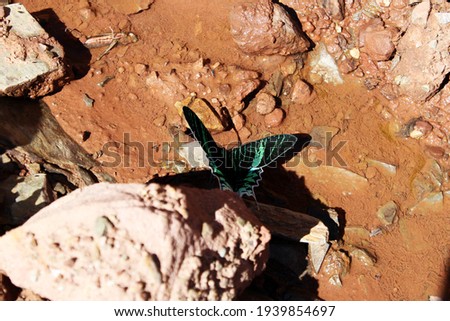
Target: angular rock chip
{"points": [[324, 66], [265, 28], [137, 242], [388, 213]]}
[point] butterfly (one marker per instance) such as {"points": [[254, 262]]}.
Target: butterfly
{"points": [[239, 169]]}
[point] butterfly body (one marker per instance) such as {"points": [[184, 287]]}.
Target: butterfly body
{"points": [[239, 169]]}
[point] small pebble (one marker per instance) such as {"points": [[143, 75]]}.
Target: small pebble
{"points": [[354, 52], [124, 24], [275, 118], [375, 232], [388, 213], [347, 65], [86, 13], [140, 69], [265, 103], [420, 129], [302, 93], [289, 68], [120, 70], [238, 121], [362, 256], [159, 121], [435, 151], [378, 44], [88, 100], [132, 96]]}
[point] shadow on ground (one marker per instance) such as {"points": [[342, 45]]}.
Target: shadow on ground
{"points": [[284, 277]]}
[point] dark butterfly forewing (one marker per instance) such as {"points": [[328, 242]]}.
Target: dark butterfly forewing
{"points": [[216, 155], [240, 168]]}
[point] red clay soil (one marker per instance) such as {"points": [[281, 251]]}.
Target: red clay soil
{"points": [[412, 255]]}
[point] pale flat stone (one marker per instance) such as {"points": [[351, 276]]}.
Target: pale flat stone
{"points": [[31, 62]]}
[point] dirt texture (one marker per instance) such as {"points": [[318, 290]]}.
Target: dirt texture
{"points": [[379, 154]]}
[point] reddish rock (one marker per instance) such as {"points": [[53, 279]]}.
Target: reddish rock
{"points": [[379, 45], [265, 28], [347, 65], [137, 242], [423, 55], [334, 8], [275, 118], [302, 93], [140, 69], [265, 103], [435, 151]]}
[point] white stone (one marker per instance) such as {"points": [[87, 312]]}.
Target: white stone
{"points": [[323, 64]]}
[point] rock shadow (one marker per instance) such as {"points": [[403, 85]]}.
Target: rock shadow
{"points": [[77, 56], [30, 134], [284, 277]]}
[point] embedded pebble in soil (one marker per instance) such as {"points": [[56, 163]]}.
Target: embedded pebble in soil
{"points": [[238, 121], [363, 256], [265, 103], [429, 179], [225, 85], [302, 93], [433, 202], [206, 114], [275, 118], [388, 213], [140, 69], [334, 8], [383, 167], [420, 129]]}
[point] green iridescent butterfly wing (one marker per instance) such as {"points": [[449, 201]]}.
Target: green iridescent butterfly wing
{"points": [[240, 168], [217, 156], [250, 159]]}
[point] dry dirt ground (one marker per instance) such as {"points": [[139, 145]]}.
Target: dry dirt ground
{"points": [[411, 256]]}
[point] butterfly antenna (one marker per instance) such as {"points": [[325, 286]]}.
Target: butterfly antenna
{"points": [[229, 121]]}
